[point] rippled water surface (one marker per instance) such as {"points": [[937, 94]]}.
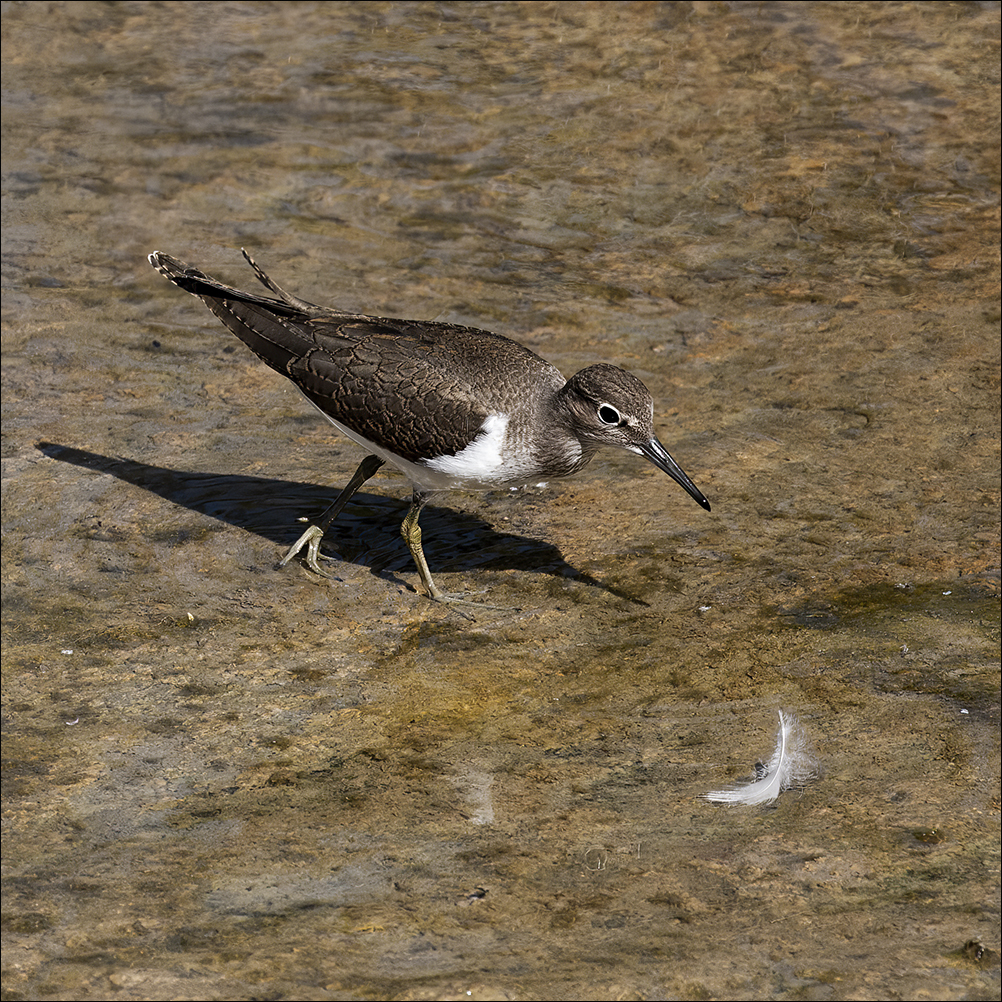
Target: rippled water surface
{"points": [[225, 780]]}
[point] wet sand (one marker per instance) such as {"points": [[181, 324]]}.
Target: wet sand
{"points": [[229, 781]]}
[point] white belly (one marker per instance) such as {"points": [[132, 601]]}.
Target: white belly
{"points": [[490, 461]]}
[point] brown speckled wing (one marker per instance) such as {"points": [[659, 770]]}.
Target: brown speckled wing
{"points": [[389, 388], [413, 389], [417, 389]]}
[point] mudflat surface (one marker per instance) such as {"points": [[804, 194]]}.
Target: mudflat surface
{"points": [[228, 781]]}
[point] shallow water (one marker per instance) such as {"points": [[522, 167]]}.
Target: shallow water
{"points": [[224, 780]]}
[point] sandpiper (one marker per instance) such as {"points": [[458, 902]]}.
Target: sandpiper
{"points": [[450, 407]]}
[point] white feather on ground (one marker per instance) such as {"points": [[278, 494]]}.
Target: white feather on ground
{"points": [[792, 764]]}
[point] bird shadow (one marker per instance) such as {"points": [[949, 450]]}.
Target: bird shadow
{"points": [[366, 533]]}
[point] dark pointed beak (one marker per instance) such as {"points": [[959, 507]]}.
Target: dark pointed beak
{"points": [[658, 455]]}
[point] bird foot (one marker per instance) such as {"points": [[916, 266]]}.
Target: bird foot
{"points": [[311, 540], [462, 604]]}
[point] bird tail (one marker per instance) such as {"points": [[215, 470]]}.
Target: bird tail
{"points": [[277, 330], [184, 276]]}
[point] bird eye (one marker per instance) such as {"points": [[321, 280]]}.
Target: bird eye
{"points": [[608, 414]]}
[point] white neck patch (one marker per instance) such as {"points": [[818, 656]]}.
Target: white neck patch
{"points": [[481, 461], [478, 467]]}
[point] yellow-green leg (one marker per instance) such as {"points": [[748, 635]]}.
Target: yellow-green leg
{"points": [[411, 532], [315, 533]]}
